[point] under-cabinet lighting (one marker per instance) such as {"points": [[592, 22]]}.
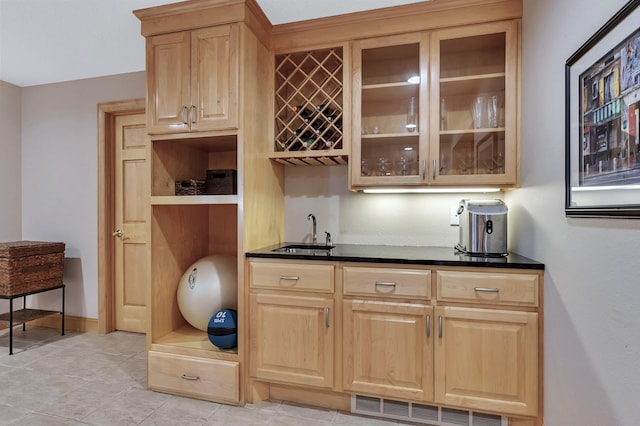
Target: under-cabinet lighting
{"points": [[408, 148], [414, 79], [427, 190]]}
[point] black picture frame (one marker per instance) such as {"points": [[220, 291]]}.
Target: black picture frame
{"points": [[602, 103]]}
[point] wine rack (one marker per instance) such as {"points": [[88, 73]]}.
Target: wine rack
{"points": [[309, 107]]}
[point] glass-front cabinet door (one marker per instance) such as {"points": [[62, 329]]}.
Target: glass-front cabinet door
{"points": [[389, 111], [473, 108]]}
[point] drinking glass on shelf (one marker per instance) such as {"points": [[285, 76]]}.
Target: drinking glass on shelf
{"points": [[403, 166], [411, 116], [477, 112], [492, 112], [364, 167], [384, 167], [376, 130]]}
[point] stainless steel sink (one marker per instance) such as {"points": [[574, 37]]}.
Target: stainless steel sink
{"points": [[305, 249]]}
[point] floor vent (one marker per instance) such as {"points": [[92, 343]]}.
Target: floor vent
{"points": [[420, 413]]}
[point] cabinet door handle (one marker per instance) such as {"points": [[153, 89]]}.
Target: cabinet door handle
{"points": [[434, 169], [190, 378], [428, 325], [289, 278], [183, 114], [487, 289], [326, 317], [192, 114], [424, 169], [386, 283], [440, 326]]}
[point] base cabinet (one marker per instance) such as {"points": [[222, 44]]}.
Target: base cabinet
{"points": [[487, 359], [210, 379], [387, 349], [292, 339]]}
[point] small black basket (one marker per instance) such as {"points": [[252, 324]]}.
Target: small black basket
{"points": [[222, 182], [190, 187]]}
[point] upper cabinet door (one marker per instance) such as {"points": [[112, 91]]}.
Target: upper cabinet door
{"points": [[474, 105], [192, 80], [390, 111], [214, 78], [168, 82]]}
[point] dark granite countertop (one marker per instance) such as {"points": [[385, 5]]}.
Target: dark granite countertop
{"points": [[440, 256]]}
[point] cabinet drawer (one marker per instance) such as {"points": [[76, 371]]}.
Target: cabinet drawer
{"points": [[210, 379], [292, 276], [387, 282], [490, 288]]}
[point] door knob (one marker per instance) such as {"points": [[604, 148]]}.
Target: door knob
{"points": [[118, 233]]}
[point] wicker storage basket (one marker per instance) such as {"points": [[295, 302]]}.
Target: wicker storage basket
{"points": [[27, 266], [190, 187]]}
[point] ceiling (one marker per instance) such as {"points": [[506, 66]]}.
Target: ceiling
{"points": [[50, 41]]}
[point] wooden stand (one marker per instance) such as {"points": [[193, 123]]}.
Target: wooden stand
{"points": [[25, 315]]}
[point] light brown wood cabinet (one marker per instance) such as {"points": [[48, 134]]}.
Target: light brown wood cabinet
{"points": [[192, 80], [436, 108], [292, 339], [292, 322], [198, 54], [487, 355], [487, 359], [387, 332], [460, 337], [388, 349]]}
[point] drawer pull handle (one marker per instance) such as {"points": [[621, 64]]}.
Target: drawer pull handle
{"points": [[289, 278], [386, 284], [428, 325], [326, 317], [487, 289], [190, 378], [183, 114]]}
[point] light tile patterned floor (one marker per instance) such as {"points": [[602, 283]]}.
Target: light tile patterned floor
{"points": [[97, 379]]}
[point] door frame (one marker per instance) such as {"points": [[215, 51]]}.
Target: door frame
{"points": [[107, 113]]}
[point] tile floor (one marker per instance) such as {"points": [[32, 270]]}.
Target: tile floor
{"points": [[97, 379]]}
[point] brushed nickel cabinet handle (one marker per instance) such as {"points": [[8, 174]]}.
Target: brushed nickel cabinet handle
{"points": [[428, 325], [424, 169], [183, 114], [434, 169], [190, 378], [326, 317], [487, 289], [192, 114], [440, 326], [289, 278]]}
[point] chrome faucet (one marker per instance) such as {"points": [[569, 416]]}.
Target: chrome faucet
{"points": [[310, 216]]}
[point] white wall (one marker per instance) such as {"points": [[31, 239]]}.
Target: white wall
{"points": [[358, 218], [59, 176], [592, 291], [10, 188]]}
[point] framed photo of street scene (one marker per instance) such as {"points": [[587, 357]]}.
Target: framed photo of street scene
{"points": [[602, 96]]}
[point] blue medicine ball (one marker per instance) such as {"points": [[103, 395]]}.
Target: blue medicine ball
{"points": [[223, 329]]}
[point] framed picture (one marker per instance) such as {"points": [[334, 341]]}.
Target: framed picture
{"points": [[602, 96]]}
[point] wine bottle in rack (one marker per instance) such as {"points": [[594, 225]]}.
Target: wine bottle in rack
{"points": [[305, 113], [294, 143], [325, 110]]}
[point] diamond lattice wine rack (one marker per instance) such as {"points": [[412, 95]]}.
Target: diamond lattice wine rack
{"points": [[309, 112]]}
